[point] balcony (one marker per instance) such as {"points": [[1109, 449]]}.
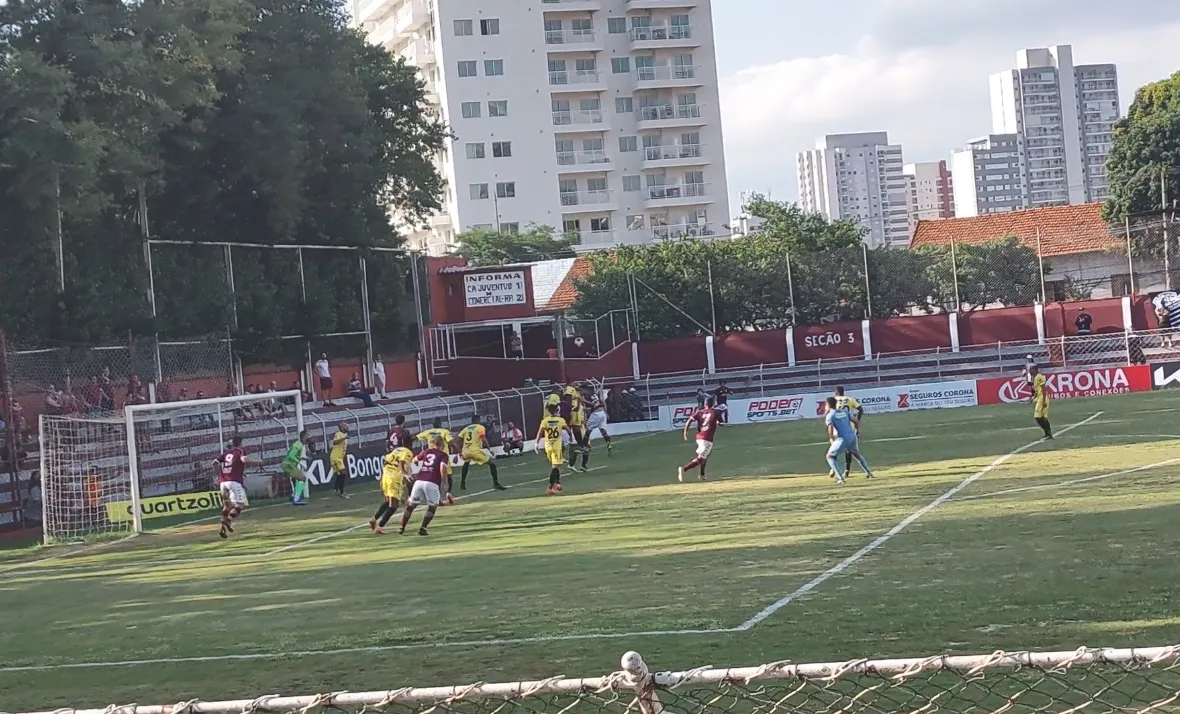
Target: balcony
{"points": [[668, 116], [677, 194], [580, 80], [372, 10], [580, 120], [683, 230], [571, 5], [570, 162], [594, 240], [656, 37], [661, 4], [668, 75], [420, 53], [573, 41], [659, 157], [588, 202]]}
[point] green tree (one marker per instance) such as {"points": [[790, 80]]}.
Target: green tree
{"points": [[1001, 271], [483, 246], [1146, 150]]}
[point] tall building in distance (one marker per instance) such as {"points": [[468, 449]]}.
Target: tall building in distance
{"points": [[597, 117], [989, 176], [858, 177], [930, 191], [1065, 114]]}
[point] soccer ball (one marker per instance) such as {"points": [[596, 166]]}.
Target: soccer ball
{"points": [[579, 342]]}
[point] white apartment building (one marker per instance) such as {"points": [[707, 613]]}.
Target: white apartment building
{"points": [[930, 191], [1065, 115], [989, 176], [597, 117], [858, 177]]}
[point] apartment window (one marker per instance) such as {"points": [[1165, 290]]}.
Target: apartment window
{"points": [[479, 191], [583, 26], [628, 143], [592, 104], [468, 68], [489, 27], [498, 108], [632, 183], [506, 189], [620, 65], [464, 28], [512, 227], [616, 25], [635, 222], [476, 151], [596, 185], [470, 110], [501, 149], [624, 105], [493, 68], [585, 66], [599, 225]]}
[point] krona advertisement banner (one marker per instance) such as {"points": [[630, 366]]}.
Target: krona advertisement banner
{"points": [[1069, 384]]}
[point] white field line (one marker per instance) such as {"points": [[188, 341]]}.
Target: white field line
{"points": [[1070, 482], [758, 618]]}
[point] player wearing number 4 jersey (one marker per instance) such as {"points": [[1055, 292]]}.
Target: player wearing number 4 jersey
{"points": [[232, 484], [705, 419], [434, 464]]}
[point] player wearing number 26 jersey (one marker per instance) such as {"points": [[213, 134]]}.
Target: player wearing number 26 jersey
{"points": [[706, 419], [553, 428]]}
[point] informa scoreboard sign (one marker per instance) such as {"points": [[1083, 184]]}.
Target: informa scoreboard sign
{"points": [[495, 289]]}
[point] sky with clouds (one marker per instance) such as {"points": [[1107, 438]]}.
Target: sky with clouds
{"points": [[791, 71]]}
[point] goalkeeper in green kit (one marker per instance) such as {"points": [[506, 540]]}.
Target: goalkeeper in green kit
{"points": [[293, 467]]}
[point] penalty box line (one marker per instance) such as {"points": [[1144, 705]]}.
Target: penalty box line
{"points": [[746, 626]]}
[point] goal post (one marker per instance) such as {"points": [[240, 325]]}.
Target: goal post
{"points": [[104, 476]]}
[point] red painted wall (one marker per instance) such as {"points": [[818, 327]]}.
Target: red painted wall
{"points": [[682, 354], [468, 375], [616, 363], [749, 349], [1107, 314], [1007, 324], [834, 341], [907, 334]]}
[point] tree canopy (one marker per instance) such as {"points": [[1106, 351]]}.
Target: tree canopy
{"points": [[1146, 149], [260, 121], [483, 246]]}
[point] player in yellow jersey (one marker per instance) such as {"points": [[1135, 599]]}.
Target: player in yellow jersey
{"points": [[854, 409], [395, 486], [338, 459], [552, 428], [1040, 400], [576, 419], [427, 437], [474, 438]]}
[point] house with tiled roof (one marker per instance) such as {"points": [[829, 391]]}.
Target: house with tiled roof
{"points": [[1074, 242]]}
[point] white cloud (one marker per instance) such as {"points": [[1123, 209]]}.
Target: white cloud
{"points": [[931, 100]]}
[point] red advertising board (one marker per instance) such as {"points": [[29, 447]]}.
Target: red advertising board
{"points": [[1069, 384]]}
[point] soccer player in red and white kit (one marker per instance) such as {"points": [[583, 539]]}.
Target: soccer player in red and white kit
{"points": [[232, 485], [706, 420], [433, 466], [400, 437]]}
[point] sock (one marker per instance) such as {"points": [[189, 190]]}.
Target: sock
{"points": [[406, 515], [864, 465], [495, 473], [235, 512], [834, 466], [573, 456], [225, 513], [463, 479], [847, 461], [389, 511], [693, 464], [704, 463], [1044, 424], [450, 484], [554, 477], [381, 511], [429, 516], [338, 483], [585, 457], [606, 438], [301, 488]]}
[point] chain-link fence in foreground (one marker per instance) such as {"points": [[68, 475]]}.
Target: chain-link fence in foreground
{"points": [[1093, 681]]}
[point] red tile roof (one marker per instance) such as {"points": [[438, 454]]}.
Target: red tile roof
{"points": [[1064, 230], [566, 294]]}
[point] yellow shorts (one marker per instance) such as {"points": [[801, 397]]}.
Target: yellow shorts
{"points": [[555, 454], [393, 487], [475, 457], [338, 466], [1041, 410]]}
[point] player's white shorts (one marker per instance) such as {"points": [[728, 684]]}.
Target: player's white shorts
{"points": [[841, 444], [234, 492], [704, 448], [425, 492], [597, 421]]}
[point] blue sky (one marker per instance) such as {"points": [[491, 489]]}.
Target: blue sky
{"points": [[791, 71]]}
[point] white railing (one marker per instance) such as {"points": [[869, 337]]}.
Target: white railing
{"points": [[580, 76], [672, 151], [582, 158], [597, 238], [683, 230], [677, 190], [665, 112], [665, 72], [658, 33], [586, 198], [578, 117], [570, 37]]}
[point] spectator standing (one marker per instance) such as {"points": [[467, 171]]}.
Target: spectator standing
{"points": [[516, 345], [356, 390], [107, 390], [379, 377], [1083, 322], [323, 372]]}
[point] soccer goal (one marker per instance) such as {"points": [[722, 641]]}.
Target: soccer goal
{"points": [[107, 477]]}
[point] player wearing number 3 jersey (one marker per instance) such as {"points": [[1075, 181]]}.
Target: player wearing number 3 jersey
{"points": [[433, 466], [706, 419]]}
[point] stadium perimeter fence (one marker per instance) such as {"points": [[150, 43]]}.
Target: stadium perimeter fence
{"points": [[1093, 681]]}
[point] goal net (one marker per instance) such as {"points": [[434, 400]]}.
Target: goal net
{"points": [[110, 477], [1084, 681]]}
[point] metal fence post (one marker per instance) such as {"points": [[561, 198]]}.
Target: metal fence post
{"points": [[819, 372], [868, 285], [10, 432]]}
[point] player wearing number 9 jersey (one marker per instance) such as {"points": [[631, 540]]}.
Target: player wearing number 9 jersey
{"points": [[232, 484], [550, 433], [475, 439], [705, 419], [433, 467]]}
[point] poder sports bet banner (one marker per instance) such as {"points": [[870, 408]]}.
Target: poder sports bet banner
{"points": [[937, 395], [1069, 384]]}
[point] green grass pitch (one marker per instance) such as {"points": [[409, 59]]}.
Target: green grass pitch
{"points": [[1066, 543]]}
